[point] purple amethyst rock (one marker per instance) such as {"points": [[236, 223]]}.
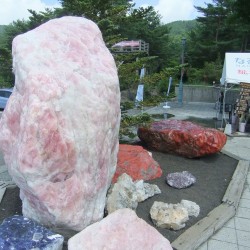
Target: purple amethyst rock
{"points": [[180, 179]]}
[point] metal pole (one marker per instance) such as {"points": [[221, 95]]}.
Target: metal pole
{"points": [[180, 94]]}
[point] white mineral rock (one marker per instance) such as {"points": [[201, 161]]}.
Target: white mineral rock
{"points": [[122, 194], [126, 194], [192, 208], [145, 190], [170, 216], [59, 131]]}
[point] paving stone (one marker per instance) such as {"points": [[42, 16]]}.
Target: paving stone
{"points": [[226, 235]]}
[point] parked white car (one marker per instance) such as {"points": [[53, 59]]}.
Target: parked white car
{"points": [[4, 96]]}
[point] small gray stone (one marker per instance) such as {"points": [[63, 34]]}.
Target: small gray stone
{"points": [[145, 190], [192, 208], [122, 194], [180, 179], [126, 194]]}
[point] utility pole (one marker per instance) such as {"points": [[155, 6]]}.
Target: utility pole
{"points": [[180, 95]]}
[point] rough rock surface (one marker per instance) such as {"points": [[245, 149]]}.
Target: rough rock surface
{"points": [[182, 137], [136, 162], [126, 194], [192, 208], [18, 232], [145, 190], [122, 195], [119, 230], [170, 216], [59, 131], [180, 180], [173, 216]]}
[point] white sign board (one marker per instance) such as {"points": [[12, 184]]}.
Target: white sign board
{"points": [[139, 95], [142, 74], [236, 68]]}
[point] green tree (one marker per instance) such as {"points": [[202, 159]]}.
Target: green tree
{"points": [[107, 14], [241, 9], [14, 29], [241, 17], [6, 77], [144, 23], [117, 20], [214, 33]]}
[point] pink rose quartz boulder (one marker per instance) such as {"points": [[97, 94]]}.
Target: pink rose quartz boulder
{"points": [[59, 131], [182, 137], [121, 229], [137, 163]]}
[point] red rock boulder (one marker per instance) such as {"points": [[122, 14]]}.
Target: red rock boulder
{"points": [[182, 137], [136, 162]]}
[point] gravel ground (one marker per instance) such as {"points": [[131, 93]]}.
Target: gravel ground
{"points": [[213, 174]]}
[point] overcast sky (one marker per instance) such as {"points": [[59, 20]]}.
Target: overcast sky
{"points": [[170, 10]]}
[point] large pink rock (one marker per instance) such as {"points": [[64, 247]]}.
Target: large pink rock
{"points": [[121, 229], [59, 131], [137, 163], [182, 137]]}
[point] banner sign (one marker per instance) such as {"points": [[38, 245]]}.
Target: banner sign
{"points": [[236, 68], [139, 95], [169, 84]]}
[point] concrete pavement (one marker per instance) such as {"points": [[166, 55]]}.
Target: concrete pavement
{"points": [[235, 234]]}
